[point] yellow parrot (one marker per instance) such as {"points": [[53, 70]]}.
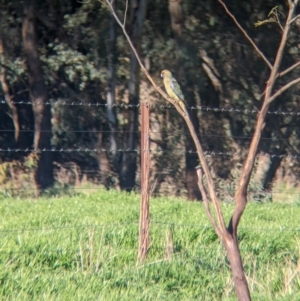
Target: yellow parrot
{"points": [[173, 89]]}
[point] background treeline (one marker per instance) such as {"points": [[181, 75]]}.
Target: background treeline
{"points": [[67, 53]]}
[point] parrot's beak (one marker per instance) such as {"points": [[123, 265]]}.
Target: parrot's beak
{"points": [[162, 75]]}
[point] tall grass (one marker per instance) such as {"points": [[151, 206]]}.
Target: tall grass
{"points": [[84, 247]]}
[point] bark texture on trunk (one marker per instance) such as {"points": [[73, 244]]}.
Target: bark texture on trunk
{"points": [[39, 97]]}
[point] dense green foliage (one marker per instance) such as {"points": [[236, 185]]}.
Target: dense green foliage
{"points": [[84, 247]]}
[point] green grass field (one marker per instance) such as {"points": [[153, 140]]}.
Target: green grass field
{"points": [[84, 247]]}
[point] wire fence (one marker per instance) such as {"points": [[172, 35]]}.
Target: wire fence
{"points": [[139, 132], [154, 106], [92, 170], [164, 192], [135, 150], [177, 151]]}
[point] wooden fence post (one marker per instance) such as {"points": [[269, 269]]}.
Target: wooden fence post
{"points": [[145, 169]]}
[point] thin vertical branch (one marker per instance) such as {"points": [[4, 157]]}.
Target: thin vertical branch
{"points": [[125, 13], [206, 201]]}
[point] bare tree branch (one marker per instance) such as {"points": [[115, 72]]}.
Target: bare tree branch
{"points": [[282, 89], [274, 13], [288, 69], [125, 14], [278, 22], [245, 34], [206, 201], [294, 19]]}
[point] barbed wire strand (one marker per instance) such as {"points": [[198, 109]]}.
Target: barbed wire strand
{"points": [[136, 150], [103, 150], [82, 170], [166, 190], [154, 106], [150, 132]]}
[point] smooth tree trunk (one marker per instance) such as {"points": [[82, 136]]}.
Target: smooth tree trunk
{"points": [[238, 274], [129, 158], [38, 93]]}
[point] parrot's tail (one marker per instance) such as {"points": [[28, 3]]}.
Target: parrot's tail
{"points": [[183, 107]]}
